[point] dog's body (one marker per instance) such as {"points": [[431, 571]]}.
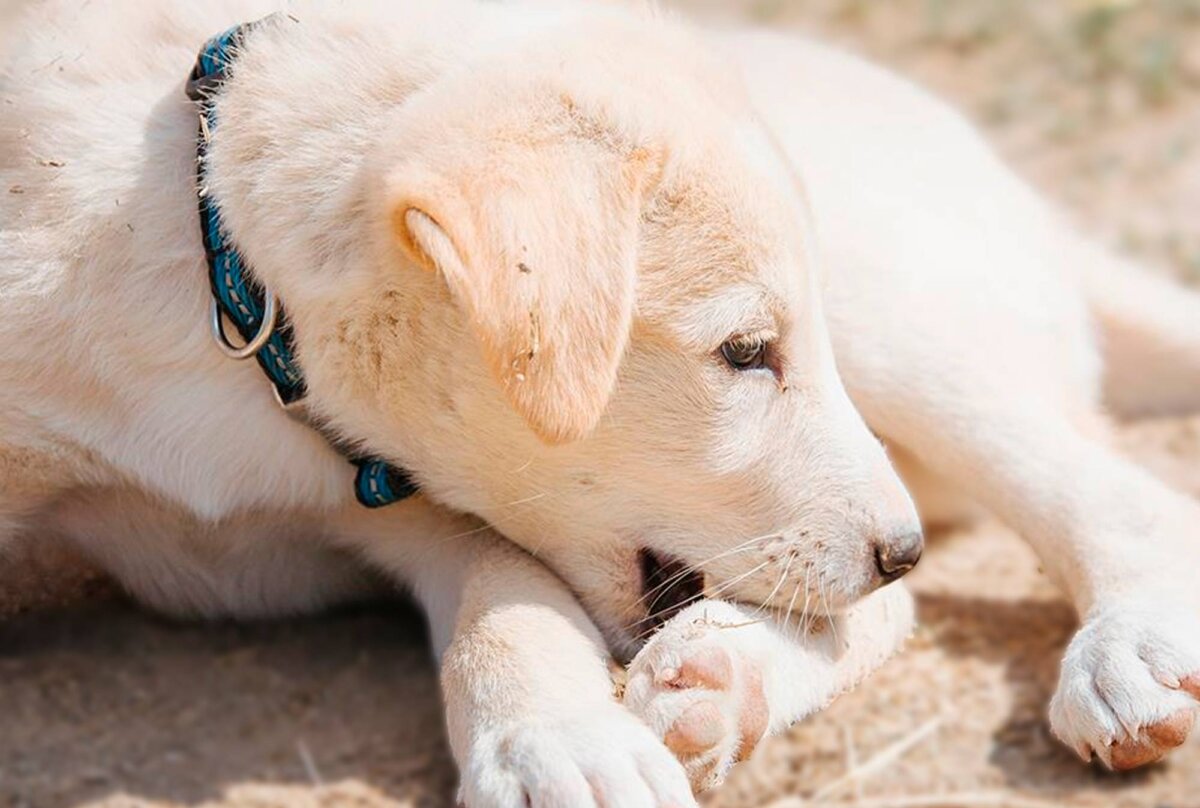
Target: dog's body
{"points": [[959, 307]]}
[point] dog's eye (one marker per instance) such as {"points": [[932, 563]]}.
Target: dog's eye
{"points": [[745, 353]]}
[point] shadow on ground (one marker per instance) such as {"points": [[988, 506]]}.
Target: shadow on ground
{"points": [[103, 705], [100, 699], [1026, 638]]}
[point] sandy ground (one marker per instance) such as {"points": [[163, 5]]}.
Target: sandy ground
{"points": [[1099, 104]]}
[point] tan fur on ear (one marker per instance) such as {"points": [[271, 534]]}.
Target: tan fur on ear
{"points": [[536, 237]]}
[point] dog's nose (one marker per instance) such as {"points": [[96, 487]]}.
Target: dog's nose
{"points": [[896, 555]]}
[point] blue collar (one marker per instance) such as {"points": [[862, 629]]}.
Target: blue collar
{"points": [[254, 311]]}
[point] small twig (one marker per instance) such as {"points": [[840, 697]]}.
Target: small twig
{"points": [[310, 765], [880, 759], [48, 65], [851, 757]]}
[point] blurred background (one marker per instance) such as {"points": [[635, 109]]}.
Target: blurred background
{"points": [[1097, 103]]}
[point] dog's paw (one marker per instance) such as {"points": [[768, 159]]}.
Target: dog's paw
{"points": [[601, 757], [696, 686], [1129, 687]]}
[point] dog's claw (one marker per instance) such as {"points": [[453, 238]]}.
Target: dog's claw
{"points": [[1124, 692]]}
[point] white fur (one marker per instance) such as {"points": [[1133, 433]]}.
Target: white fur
{"points": [[958, 303], [511, 240], [797, 678]]}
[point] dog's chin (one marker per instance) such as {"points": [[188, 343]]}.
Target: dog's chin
{"points": [[668, 586]]}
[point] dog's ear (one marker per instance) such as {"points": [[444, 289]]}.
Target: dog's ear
{"points": [[536, 236]]}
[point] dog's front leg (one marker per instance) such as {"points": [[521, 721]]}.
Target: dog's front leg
{"points": [[718, 677], [529, 697]]}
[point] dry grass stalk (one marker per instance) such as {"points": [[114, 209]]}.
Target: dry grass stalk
{"points": [[876, 762]]}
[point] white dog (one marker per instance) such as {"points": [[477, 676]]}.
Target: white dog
{"points": [[583, 274]]}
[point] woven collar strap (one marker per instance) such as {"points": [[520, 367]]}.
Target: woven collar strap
{"points": [[241, 300]]}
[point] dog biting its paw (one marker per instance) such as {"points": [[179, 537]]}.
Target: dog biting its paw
{"points": [[718, 677], [702, 694]]}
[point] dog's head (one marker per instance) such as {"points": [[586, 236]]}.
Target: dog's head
{"points": [[593, 317]]}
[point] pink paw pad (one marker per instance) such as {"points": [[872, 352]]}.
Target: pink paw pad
{"points": [[1153, 742]]}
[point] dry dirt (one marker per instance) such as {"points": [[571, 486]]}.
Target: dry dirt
{"points": [[1099, 104]]}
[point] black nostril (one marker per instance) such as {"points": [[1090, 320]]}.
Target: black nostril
{"points": [[899, 554]]}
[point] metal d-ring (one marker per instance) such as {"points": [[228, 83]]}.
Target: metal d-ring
{"points": [[270, 315]]}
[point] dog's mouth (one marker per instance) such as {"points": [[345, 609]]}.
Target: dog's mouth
{"points": [[668, 586]]}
